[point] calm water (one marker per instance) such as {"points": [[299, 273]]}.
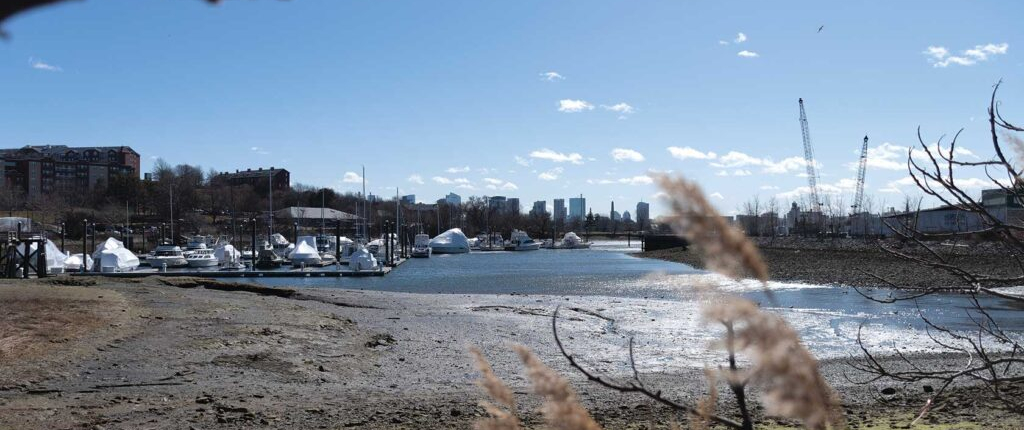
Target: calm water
{"points": [[827, 316]]}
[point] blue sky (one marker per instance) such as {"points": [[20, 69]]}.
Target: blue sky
{"points": [[439, 96]]}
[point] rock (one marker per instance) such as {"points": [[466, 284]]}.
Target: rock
{"points": [[321, 368], [203, 399], [455, 412]]}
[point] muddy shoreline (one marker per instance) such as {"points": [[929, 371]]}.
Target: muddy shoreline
{"points": [[165, 357], [856, 263]]}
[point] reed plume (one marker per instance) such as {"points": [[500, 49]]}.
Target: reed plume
{"points": [[701, 420], [562, 409], [724, 248], [498, 418], [794, 387]]}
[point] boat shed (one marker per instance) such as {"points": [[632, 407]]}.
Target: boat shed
{"points": [[311, 215]]}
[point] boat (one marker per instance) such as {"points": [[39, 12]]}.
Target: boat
{"points": [[202, 258], [572, 241], [421, 246], [166, 255], [450, 242], [73, 263], [281, 245], [520, 241], [346, 248], [362, 259], [268, 259], [492, 242], [325, 244], [227, 255], [194, 244], [55, 259], [112, 257], [474, 243], [305, 253]]}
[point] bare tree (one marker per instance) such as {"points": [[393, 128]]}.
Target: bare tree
{"points": [[990, 355]]}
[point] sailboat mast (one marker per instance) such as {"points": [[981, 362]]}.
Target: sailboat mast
{"points": [[270, 190], [366, 233], [322, 191]]}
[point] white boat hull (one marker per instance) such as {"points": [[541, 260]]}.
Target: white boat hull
{"points": [[196, 263]]}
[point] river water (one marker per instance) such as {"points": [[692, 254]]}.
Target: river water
{"points": [[827, 317]]}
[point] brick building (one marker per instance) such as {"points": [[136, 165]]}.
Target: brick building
{"points": [[38, 170], [259, 179]]}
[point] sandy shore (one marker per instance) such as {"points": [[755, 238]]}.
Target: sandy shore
{"points": [[142, 354]]}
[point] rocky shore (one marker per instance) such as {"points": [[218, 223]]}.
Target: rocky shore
{"points": [[854, 262], [169, 354]]}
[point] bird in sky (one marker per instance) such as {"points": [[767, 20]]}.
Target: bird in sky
{"points": [[821, 28]]}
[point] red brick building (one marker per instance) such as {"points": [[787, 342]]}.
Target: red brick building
{"points": [[38, 170]]}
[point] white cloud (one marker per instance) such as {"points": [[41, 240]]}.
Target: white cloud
{"points": [[722, 173], [571, 106], [787, 165], [688, 152], [40, 65], [633, 180], [748, 54], [522, 161], [461, 181], [442, 180], [416, 179], [465, 187], [737, 159], [888, 156], [463, 169], [551, 76], [493, 181], [259, 150], [940, 57], [716, 194], [740, 38], [621, 108], [769, 187], [550, 175], [558, 157], [509, 186], [624, 154], [352, 178], [722, 42]]}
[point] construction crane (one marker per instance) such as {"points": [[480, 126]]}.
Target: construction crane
{"points": [[858, 199], [812, 174]]}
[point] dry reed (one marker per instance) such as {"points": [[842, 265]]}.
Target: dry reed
{"points": [[498, 418], [562, 408], [794, 388], [706, 406], [724, 248]]}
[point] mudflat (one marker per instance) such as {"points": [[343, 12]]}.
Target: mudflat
{"points": [[168, 354]]}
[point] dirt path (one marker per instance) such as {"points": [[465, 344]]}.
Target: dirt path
{"points": [[147, 355]]}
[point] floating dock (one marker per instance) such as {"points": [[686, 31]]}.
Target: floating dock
{"points": [[295, 273]]}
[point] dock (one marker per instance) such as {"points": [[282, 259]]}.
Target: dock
{"points": [[295, 273]]}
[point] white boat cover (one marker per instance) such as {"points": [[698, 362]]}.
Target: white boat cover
{"points": [[343, 240], [452, 239], [571, 238], [309, 241], [74, 263], [54, 258], [303, 251], [112, 256], [422, 240], [226, 254], [277, 239], [362, 259]]}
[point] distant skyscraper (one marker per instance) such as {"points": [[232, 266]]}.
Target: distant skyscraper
{"points": [[643, 215], [626, 217], [558, 209], [540, 207], [611, 214], [512, 205], [577, 207], [615, 216], [453, 199], [409, 199], [497, 203]]}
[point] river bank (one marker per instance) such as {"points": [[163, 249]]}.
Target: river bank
{"points": [[143, 354], [853, 262]]}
